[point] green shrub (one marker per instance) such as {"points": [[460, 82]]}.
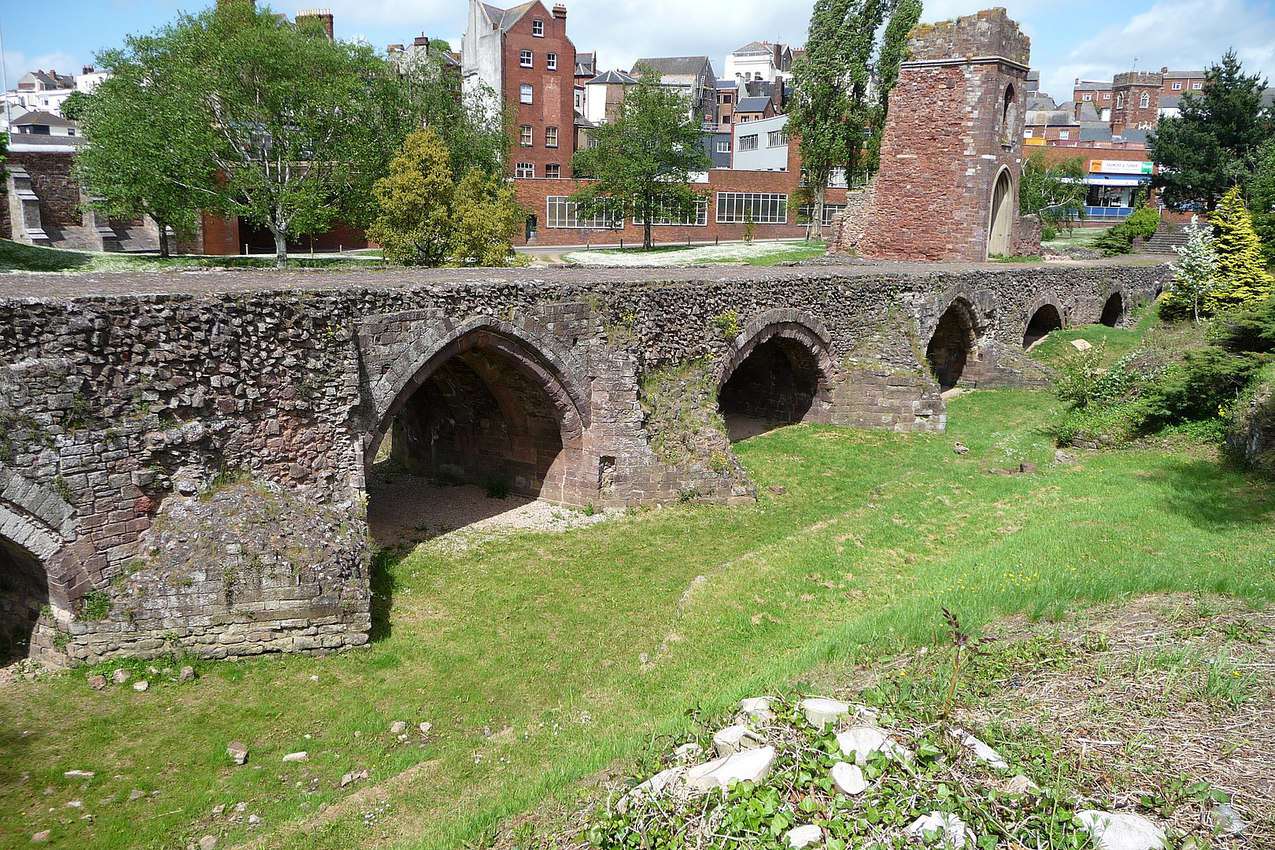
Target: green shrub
{"points": [[1117, 240], [1143, 222], [1048, 233], [1249, 329], [1082, 381], [1201, 387]]}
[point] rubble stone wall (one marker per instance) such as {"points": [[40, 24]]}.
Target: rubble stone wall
{"points": [[188, 466]]}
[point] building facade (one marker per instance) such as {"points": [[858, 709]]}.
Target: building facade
{"points": [[524, 54]]}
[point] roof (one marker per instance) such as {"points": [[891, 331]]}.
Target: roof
{"points": [[752, 104], [1134, 134], [1092, 85], [1040, 101], [36, 118], [725, 85], [1170, 101], [1096, 133], [1086, 112], [53, 79], [506, 18], [613, 77], [581, 121], [752, 48], [1049, 118], [678, 66], [1182, 75], [586, 64]]}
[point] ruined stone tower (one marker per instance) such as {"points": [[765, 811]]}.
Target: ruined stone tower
{"points": [[951, 158]]}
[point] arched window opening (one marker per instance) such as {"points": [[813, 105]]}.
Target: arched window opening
{"points": [[24, 592], [1042, 322], [1009, 115], [1001, 227], [952, 345], [775, 385], [1113, 310]]}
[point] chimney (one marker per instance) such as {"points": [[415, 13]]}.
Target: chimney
{"points": [[394, 49], [323, 16], [421, 41], [87, 69], [560, 11]]}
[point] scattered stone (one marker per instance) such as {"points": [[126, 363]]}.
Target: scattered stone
{"points": [[97, 682], [238, 752], [300, 756], [208, 842], [187, 674], [120, 676], [758, 708], [820, 711], [241, 807], [136, 794], [353, 776], [253, 820], [219, 810], [1022, 785], [777, 489], [141, 685], [651, 788], [41, 836], [848, 778], [1121, 830], [803, 836], [981, 750], [744, 766], [732, 739], [79, 774], [960, 448], [862, 741], [75, 804], [1081, 344], [1026, 468], [425, 728], [951, 831], [1226, 820], [688, 753], [398, 727], [1062, 457]]}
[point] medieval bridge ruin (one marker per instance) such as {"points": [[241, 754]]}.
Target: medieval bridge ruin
{"points": [[185, 459]]}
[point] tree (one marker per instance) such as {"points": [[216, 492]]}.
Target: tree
{"points": [[642, 161], [426, 218], [830, 114], [74, 104], [303, 125], [1196, 269], [150, 147], [890, 56], [1212, 143], [1261, 193], [1054, 191], [1241, 275]]}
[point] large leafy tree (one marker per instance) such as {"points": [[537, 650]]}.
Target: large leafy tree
{"points": [[833, 115], [1054, 191], [1213, 143], [1262, 200], [642, 162], [149, 151]]}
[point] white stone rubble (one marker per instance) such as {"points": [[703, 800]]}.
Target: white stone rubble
{"points": [[820, 711], [803, 836], [862, 741], [732, 739], [745, 766], [848, 778], [981, 750], [1121, 830], [756, 708], [951, 831]]}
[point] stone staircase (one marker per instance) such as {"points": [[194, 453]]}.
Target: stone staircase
{"points": [[1166, 238]]}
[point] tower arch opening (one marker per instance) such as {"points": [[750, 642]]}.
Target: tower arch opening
{"points": [[776, 380], [951, 346], [1113, 311], [24, 594], [1001, 225], [1042, 322], [484, 426]]}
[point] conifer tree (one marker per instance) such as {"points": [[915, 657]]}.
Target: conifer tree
{"points": [[1241, 275], [1196, 269]]}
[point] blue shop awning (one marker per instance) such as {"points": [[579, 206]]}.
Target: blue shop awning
{"points": [[1114, 180]]}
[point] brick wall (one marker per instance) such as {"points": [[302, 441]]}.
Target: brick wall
{"points": [[554, 91], [52, 181], [1127, 110]]}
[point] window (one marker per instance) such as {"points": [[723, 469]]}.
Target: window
{"points": [[829, 212], [553, 170], [1120, 101], [1028, 133], [762, 207], [726, 118], [525, 169], [538, 28], [525, 94], [551, 137], [1197, 86], [524, 135], [1064, 135], [1145, 100], [524, 58], [723, 146], [728, 98], [665, 217], [748, 143], [778, 138], [744, 119], [562, 213], [1177, 86], [1086, 97], [551, 61]]}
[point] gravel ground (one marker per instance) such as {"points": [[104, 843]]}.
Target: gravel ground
{"points": [[682, 257]]}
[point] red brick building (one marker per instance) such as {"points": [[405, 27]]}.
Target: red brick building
{"points": [[1136, 103], [524, 54]]}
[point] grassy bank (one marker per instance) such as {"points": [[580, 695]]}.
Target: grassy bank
{"points": [[540, 659]]}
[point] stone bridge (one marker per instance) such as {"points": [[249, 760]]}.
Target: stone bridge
{"points": [[186, 460]]}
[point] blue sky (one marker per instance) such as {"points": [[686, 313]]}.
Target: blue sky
{"points": [[1070, 38]]}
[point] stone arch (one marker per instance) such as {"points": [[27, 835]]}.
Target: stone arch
{"points": [[485, 401], [1044, 315], [1114, 309], [1009, 114], [1000, 225], [953, 341], [36, 525], [780, 371]]}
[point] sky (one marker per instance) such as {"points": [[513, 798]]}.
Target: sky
{"points": [[1090, 39]]}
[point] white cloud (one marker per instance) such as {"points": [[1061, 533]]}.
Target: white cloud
{"points": [[1182, 34]]}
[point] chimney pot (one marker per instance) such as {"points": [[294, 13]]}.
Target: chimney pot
{"points": [[560, 11], [420, 41]]}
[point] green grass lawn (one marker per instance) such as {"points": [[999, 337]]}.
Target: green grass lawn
{"points": [[541, 659], [762, 253], [1078, 236], [15, 256]]}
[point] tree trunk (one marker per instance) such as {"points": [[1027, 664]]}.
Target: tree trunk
{"points": [[646, 233], [163, 238], [280, 248], [816, 220]]}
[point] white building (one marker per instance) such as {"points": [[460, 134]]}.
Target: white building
{"points": [[760, 60], [761, 145], [46, 91], [603, 95]]}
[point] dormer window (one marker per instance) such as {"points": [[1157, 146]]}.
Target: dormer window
{"points": [[538, 28]]}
